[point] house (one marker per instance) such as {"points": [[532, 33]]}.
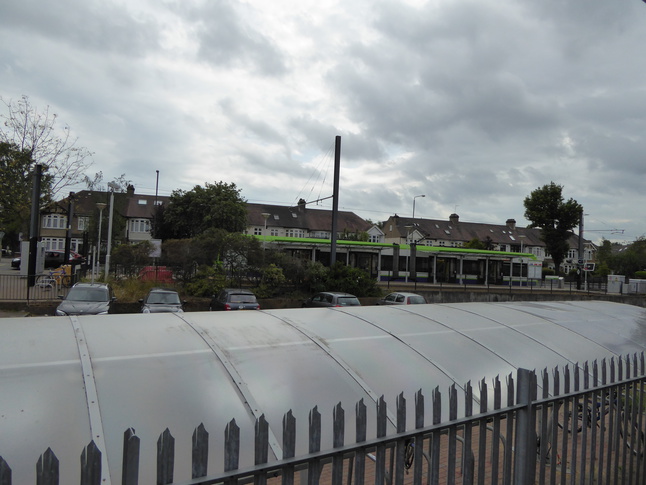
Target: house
{"points": [[132, 217], [301, 222], [497, 237]]}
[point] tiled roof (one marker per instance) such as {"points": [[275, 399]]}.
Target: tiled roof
{"points": [[456, 230], [301, 217]]}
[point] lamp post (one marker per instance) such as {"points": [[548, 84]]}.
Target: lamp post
{"points": [[100, 206], [521, 237], [422, 195], [264, 234]]}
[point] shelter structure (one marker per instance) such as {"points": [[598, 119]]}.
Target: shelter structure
{"points": [[65, 381]]}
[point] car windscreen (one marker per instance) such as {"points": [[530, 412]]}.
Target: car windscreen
{"points": [[348, 301], [87, 294]]}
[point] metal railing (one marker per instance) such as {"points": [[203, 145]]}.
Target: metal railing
{"points": [[587, 427], [42, 287]]}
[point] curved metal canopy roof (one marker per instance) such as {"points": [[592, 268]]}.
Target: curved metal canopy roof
{"points": [[67, 380]]}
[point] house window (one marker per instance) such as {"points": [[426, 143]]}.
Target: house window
{"points": [[375, 238], [54, 221], [274, 232], [257, 231], [53, 243], [294, 233], [83, 223], [140, 225], [572, 254]]}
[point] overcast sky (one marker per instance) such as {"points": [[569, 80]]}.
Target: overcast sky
{"points": [[472, 103]]}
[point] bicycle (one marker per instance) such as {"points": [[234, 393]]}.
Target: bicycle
{"points": [[596, 413]]}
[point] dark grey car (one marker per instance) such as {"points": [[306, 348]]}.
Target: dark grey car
{"points": [[331, 299], [162, 300], [87, 299], [234, 299]]}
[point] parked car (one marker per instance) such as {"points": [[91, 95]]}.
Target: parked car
{"points": [[54, 258], [162, 300], [87, 299], [331, 299], [234, 299], [401, 298]]}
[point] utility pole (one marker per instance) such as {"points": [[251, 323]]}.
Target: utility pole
{"points": [[335, 199], [581, 261], [33, 225]]}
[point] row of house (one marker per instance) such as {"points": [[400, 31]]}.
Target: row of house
{"points": [[304, 231]]}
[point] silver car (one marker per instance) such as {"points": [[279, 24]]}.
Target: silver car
{"points": [[402, 298]]}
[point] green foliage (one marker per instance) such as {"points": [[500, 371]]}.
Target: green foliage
{"points": [[631, 260], [602, 269], [316, 277], [640, 275], [130, 290], [131, 257], [271, 283], [474, 243], [351, 280], [354, 236], [546, 208], [547, 272], [208, 281], [191, 213], [16, 168]]}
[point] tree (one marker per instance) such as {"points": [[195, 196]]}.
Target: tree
{"points": [[475, 243], [191, 213], [545, 208], [118, 185], [16, 168]]}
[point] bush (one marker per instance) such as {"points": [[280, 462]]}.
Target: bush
{"points": [[548, 272], [208, 281], [640, 275]]}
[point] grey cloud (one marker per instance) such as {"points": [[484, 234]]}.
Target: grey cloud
{"points": [[84, 25], [228, 40]]}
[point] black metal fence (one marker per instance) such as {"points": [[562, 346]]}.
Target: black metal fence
{"points": [[587, 426], [43, 287]]}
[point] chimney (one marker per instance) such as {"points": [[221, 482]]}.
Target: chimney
{"points": [[131, 189], [454, 218], [301, 205], [511, 224]]}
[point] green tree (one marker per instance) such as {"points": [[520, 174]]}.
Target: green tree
{"points": [[37, 132], [16, 168], [475, 243], [545, 208], [131, 257], [191, 213]]}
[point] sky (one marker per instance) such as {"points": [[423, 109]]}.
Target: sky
{"points": [[473, 104]]}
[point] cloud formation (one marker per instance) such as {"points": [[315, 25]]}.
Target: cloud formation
{"points": [[474, 104]]}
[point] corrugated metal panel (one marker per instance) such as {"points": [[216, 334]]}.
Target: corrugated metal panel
{"points": [[174, 371]]}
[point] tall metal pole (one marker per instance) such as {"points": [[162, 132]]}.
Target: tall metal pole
{"points": [[335, 198], [100, 206], [581, 261], [33, 226], [109, 249]]}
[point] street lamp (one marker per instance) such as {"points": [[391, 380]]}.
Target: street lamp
{"points": [[264, 234], [422, 195], [100, 206]]}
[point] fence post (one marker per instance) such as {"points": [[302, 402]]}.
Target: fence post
{"points": [[130, 471], [289, 445], [360, 429], [5, 472], [261, 448], [314, 471], [525, 442], [91, 465], [165, 457], [47, 468], [338, 441], [200, 454]]}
